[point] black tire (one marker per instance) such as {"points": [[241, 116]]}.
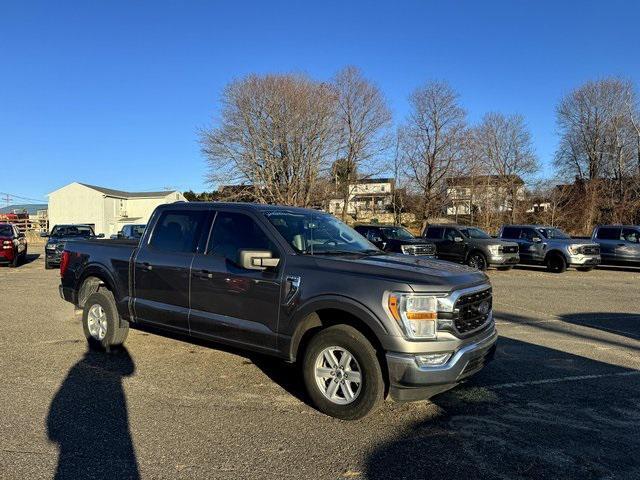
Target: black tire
{"points": [[555, 263], [584, 269], [505, 268], [477, 260], [16, 260], [116, 331], [47, 265], [371, 391]]}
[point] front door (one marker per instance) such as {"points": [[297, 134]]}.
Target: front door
{"points": [[162, 268], [628, 248], [531, 245], [455, 250], [229, 302]]}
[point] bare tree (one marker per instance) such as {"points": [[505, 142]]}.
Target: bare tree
{"points": [[432, 142], [362, 119], [507, 153], [600, 147], [276, 135]]}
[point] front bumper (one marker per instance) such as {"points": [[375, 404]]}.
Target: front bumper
{"points": [[52, 257], [504, 259], [68, 294], [7, 255], [585, 260], [408, 381]]}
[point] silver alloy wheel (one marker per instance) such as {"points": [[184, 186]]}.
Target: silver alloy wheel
{"points": [[338, 375], [97, 322]]}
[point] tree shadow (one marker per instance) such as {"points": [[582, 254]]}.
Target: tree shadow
{"points": [[535, 412], [88, 419]]}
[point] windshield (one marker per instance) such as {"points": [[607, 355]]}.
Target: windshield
{"points": [[72, 231], [318, 233], [473, 232], [552, 233], [137, 230], [397, 233]]}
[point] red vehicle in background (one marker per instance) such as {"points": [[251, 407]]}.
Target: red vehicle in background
{"points": [[13, 245]]}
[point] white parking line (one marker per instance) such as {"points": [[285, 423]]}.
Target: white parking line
{"points": [[561, 379]]}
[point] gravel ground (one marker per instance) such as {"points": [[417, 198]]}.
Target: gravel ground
{"points": [[561, 399]]}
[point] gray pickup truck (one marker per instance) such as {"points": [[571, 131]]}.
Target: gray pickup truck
{"points": [[550, 246], [472, 246], [619, 244], [294, 283]]}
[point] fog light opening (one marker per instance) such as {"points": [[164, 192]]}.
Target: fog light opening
{"points": [[433, 359]]}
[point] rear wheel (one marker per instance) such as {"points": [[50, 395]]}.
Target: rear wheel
{"points": [[16, 260], [101, 322], [47, 264], [477, 260], [342, 373], [556, 263]]}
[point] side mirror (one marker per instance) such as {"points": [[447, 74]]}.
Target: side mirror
{"points": [[44, 234], [257, 259], [536, 239], [457, 239], [100, 235]]}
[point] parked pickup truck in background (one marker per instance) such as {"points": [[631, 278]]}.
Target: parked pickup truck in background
{"points": [[294, 283], [619, 244], [472, 246], [396, 240], [13, 245], [550, 246], [57, 238], [130, 231]]}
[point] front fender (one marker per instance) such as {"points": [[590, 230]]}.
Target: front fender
{"points": [[304, 318]]}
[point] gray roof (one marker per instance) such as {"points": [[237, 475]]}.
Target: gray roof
{"points": [[122, 194], [31, 208]]}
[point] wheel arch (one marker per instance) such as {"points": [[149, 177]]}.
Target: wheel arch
{"points": [[91, 280], [558, 252]]}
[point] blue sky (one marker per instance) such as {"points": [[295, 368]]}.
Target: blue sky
{"points": [[113, 93]]}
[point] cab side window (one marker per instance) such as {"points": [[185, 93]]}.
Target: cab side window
{"points": [[178, 231], [510, 232], [529, 234], [233, 232], [608, 233], [630, 235], [434, 232]]}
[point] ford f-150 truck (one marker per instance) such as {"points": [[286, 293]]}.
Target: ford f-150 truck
{"points": [[294, 283]]}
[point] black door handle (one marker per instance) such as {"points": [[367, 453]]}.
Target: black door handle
{"points": [[203, 274]]}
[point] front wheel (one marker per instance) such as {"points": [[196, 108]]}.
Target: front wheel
{"points": [[342, 373], [477, 260], [556, 263], [101, 322]]}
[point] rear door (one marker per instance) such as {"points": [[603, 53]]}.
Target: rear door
{"points": [[162, 268], [229, 302], [628, 248], [609, 240]]}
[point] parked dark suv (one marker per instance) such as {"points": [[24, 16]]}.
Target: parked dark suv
{"points": [[472, 246], [57, 238], [619, 244], [296, 284], [396, 239]]}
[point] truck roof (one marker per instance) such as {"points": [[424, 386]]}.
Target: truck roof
{"points": [[256, 207]]}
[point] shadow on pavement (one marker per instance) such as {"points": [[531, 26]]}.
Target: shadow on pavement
{"points": [[31, 257], [88, 419], [534, 412]]}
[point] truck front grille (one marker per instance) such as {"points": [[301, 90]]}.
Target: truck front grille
{"points": [[472, 311], [425, 249], [590, 250]]}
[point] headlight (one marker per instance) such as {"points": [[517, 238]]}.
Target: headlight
{"points": [[575, 249], [417, 315], [494, 249], [404, 249], [51, 246]]}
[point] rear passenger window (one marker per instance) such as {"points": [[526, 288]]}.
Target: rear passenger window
{"points": [[178, 231], [233, 232], [434, 232], [451, 234], [608, 233], [510, 232]]}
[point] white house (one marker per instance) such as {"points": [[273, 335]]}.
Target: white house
{"points": [[104, 208], [366, 196], [482, 193]]}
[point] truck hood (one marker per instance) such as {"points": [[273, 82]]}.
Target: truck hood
{"points": [[492, 241], [568, 241], [421, 274]]}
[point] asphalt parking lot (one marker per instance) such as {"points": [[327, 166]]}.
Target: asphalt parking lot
{"points": [[561, 399]]}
